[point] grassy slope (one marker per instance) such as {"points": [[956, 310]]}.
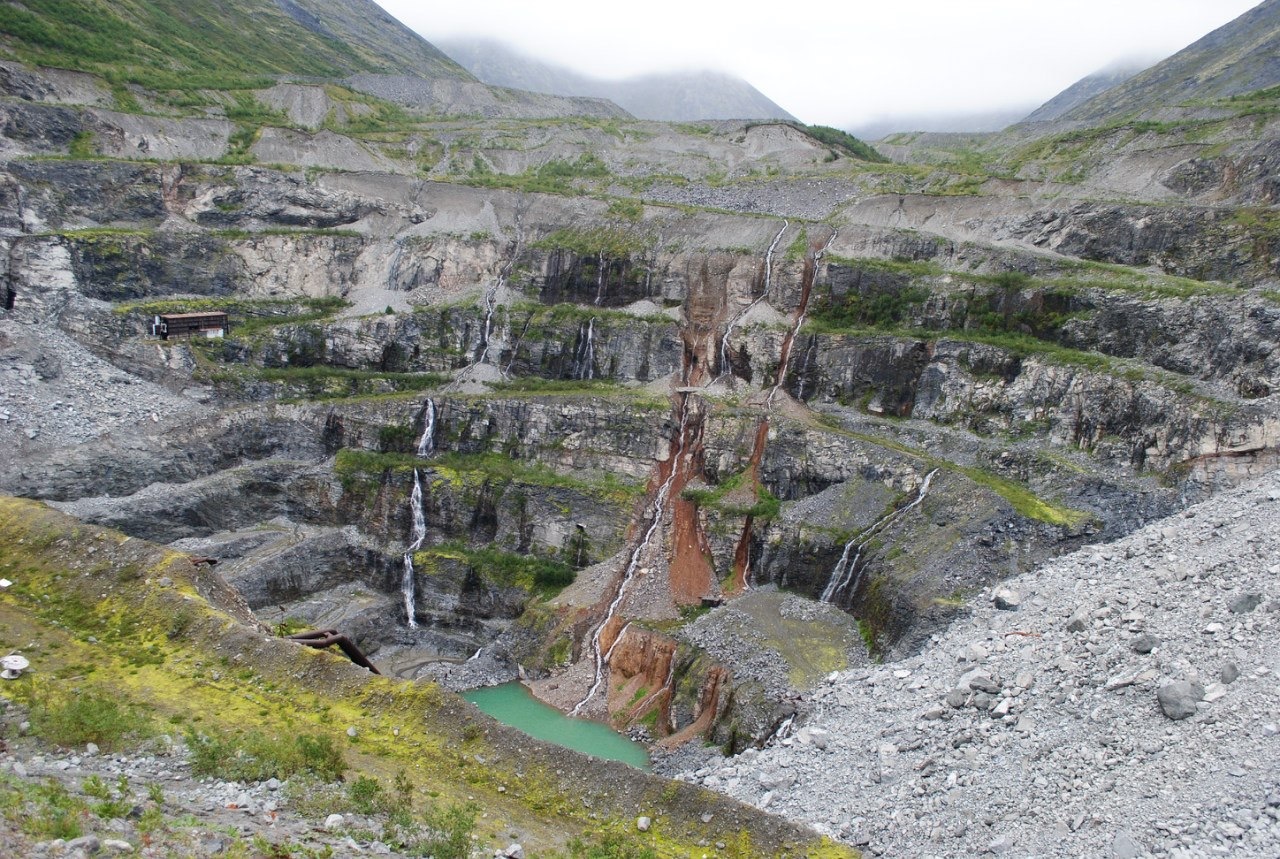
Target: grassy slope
{"points": [[170, 44], [89, 596]]}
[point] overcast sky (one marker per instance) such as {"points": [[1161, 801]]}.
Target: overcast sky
{"points": [[844, 63]]}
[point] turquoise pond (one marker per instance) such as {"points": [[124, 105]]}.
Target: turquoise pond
{"points": [[512, 704]]}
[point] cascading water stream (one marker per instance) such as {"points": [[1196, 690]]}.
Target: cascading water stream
{"points": [[427, 444], [418, 536], [811, 273], [668, 685], [633, 563], [845, 568], [804, 367], [768, 281], [491, 301], [599, 278], [585, 362]]}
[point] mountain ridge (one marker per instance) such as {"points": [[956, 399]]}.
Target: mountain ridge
{"points": [[1088, 87], [671, 96], [1239, 57]]}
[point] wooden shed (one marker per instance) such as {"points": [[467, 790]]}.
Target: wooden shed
{"points": [[208, 324]]}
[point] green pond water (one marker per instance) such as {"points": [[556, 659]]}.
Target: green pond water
{"points": [[513, 704]]}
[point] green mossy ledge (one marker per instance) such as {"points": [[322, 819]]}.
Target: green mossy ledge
{"points": [[91, 596]]}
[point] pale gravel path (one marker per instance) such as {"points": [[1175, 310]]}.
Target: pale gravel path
{"points": [[1084, 763]]}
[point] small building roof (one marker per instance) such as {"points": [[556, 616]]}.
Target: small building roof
{"points": [[203, 315]]}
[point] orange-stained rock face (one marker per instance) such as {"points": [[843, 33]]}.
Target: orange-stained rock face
{"points": [[691, 574], [641, 677], [707, 710]]}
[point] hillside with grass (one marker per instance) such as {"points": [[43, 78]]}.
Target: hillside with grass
{"points": [[150, 658], [170, 45]]}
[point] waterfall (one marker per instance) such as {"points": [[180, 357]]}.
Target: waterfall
{"points": [[633, 564], [811, 274], [599, 278], [804, 368], [585, 361], [427, 444], [668, 685], [490, 303], [418, 536], [768, 281], [481, 351], [844, 570]]}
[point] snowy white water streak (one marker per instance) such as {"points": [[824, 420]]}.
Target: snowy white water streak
{"points": [[427, 444], [633, 564], [848, 563], [768, 280], [418, 536], [788, 343], [585, 368]]}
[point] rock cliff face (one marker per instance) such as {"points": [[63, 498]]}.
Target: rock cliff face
{"points": [[600, 441]]}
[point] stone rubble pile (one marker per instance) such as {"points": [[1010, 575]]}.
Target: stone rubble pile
{"points": [[216, 817], [54, 391], [1121, 701]]}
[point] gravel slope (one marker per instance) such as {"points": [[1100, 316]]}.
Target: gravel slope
{"points": [[1036, 730]]}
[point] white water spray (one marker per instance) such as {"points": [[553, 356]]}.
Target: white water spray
{"points": [[843, 572], [768, 281], [586, 361], [491, 302], [804, 368], [599, 278], [427, 444], [633, 564], [795, 329], [418, 536]]}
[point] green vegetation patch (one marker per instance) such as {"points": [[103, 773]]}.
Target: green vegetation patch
{"points": [[1018, 495], [557, 176], [842, 142], [474, 469], [766, 506], [545, 576], [321, 383], [44, 810], [170, 45], [72, 717], [566, 313], [255, 756]]}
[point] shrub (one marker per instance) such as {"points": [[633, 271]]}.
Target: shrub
{"points": [[844, 142], [79, 717], [56, 813], [254, 756], [396, 438], [610, 846], [367, 796], [450, 832]]}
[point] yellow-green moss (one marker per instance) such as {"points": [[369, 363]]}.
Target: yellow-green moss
{"points": [[86, 596]]}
